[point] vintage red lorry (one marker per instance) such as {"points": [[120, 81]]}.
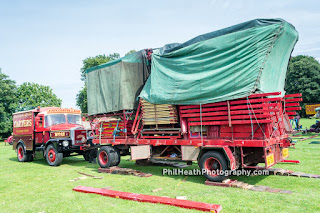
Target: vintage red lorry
{"points": [[57, 132], [217, 99]]}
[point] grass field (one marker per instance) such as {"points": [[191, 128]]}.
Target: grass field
{"points": [[37, 187]]}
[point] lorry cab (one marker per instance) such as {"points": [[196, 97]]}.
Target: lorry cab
{"points": [[55, 131]]}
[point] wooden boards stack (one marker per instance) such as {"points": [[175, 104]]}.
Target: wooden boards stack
{"points": [[154, 114]]}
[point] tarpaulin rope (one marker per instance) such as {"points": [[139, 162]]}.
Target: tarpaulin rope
{"points": [[250, 118], [248, 101]]}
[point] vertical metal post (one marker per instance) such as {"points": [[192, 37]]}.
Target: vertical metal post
{"points": [[125, 123]]}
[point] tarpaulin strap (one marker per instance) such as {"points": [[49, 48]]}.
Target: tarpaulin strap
{"points": [[229, 115], [100, 132], [255, 118], [250, 118]]}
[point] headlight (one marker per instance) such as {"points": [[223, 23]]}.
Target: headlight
{"points": [[65, 143]]}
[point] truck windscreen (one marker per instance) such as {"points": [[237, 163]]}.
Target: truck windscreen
{"points": [[74, 119], [55, 119]]}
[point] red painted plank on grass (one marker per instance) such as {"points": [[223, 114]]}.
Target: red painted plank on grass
{"points": [[188, 204]]}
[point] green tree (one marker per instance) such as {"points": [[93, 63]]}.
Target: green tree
{"points": [[7, 104], [81, 98], [304, 77], [131, 51], [95, 61], [31, 95]]}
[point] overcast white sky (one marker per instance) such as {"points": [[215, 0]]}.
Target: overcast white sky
{"points": [[46, 41]]}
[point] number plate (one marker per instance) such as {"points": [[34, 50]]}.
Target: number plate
{"points": [[285, 152], [270, 160]]}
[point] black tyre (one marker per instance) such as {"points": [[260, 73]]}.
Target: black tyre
{"points": [[213, 163], [117, 156], [53, 157], [86, 155], [21, 154], [106, 156]]}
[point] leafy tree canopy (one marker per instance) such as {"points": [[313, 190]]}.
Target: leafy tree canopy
{"points": [[82, 99], [131, 51], [31, 95], [304, 77], [95, 61], [7, 104]]}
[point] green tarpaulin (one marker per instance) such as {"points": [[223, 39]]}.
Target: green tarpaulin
{"points": [[116, 85], [226, 64]]}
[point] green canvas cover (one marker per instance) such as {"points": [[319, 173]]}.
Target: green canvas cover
{"points": [[115, 85], [226, 64]]}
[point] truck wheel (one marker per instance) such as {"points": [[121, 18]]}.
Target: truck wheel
{"points": [[21, 154], [117, 157], [212, 163], [86, 155], [106, 156], [54, 158]]}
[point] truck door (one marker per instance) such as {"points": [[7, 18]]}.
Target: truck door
{"points": [[39, 129]]}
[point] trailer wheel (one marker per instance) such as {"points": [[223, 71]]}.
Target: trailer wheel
{"points": [[213, 163], [106, 156], [53, 157], [116, 156], [21, 154]]}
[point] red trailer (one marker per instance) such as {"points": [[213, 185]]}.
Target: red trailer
{"points": [[220, 136], [237, 74]]}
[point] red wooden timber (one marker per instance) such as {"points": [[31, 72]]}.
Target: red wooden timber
{"points": [[293, 108], [133, 130], [235, 117], [233, 103], [188, 204], [290, 161], [264, 94], [293, 100], [292, 104], [237, 112], [241, 135], [231, 108], [160, 136], [291, 113], [293, 95], [159, 132], [192, 142], [227, 122], [240, 128]]}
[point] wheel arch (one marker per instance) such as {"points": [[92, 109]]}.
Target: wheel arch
{"points": [[225, 151], [23, 145], [54, 142]]}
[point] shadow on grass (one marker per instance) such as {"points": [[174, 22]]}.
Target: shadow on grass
{"points": [[71, 161], [79, 162], [158, 171]]}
